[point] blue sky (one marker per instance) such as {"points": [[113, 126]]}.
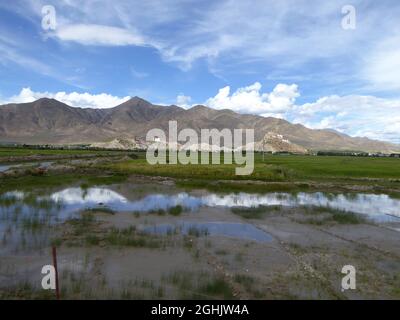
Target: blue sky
{"points": [[287, 59]]}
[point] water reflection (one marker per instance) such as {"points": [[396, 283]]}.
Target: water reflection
{"points": [[380, 207], [65, 203], [77, 198], [25, 215], [375, 206]]}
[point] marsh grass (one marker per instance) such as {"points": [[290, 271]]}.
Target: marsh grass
{"points": [[92, 240], [199, 285], [328, 215], [197, 231], [245, 280], [87, 231], [217, 287], [78, 285], [250, 284], [347, 218], [25, 290], [100, 210], [251, 213], [160, 212], [256, 212], [128, 237], [123, 237], [83, 224], [34, 224], [299, 249], [173, 211], [8, 201], [140, 289], [56, 242], [51, 180], [396, 285]]}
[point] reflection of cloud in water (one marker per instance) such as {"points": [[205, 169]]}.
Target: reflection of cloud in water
{"points": [[18, 195], [90, 197], [370, 204], [75, 199], [87, 196]]}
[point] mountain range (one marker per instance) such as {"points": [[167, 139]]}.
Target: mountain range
{"points": [[48, 121]]}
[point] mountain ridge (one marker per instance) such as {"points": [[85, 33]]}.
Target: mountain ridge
{"points": [[50, 121]]}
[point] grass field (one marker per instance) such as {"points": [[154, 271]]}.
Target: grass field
{"points": [[330, 166], [275, 168], [32, 182], [284, 169]]}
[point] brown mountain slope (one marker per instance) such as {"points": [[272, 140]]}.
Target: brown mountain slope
{"points": [[47, 120], [135, 111], [50, 121]]}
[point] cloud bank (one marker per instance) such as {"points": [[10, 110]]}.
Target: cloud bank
{"points": [[74, 99], [250, 99]]}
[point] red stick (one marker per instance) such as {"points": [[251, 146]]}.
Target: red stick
{"points": [[55, 268]]}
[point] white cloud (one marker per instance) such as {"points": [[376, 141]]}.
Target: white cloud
{"points": [[74, 99], [250, 99], [102, 35], [364, 116], [183, 101], [356, 115], [382, 66]]}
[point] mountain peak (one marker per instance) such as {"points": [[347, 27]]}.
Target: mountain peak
{"points": [[134, 103], [137, 99], [42, 101], [48, 102], [200, 107]]}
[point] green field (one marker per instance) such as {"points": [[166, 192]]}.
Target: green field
{"points": [[275, 168], [290, 171], [329, 166]]}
